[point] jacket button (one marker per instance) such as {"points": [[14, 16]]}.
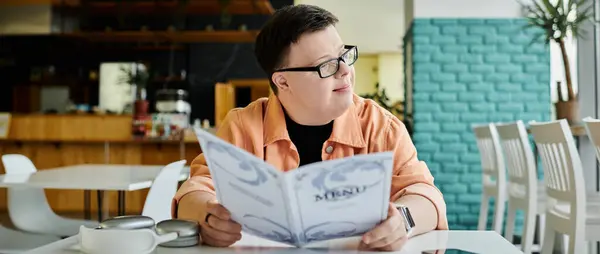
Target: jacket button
{"points": [[329, 149]]}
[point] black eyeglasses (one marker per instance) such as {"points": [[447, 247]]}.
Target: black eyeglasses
{"points": [[330, 67]]}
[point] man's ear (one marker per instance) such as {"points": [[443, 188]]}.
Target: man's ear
{"points": [[280, 81]]}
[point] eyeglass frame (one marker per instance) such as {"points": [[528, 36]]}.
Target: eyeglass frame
{"points": [[317, 68]]}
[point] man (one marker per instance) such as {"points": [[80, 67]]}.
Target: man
{"points": [[314, 115]]}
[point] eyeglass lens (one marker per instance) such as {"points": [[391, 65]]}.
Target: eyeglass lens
{"points": [[331, 67]]}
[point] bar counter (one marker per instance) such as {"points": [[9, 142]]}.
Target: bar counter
{"points": [[62, 140]]}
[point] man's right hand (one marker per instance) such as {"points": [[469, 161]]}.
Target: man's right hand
{"points": [[217, 228]]}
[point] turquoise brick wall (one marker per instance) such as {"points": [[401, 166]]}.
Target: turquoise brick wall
{"points": [[468, 71]]}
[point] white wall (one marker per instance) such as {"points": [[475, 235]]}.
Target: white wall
{"points": [[367, 74], [391, 75], [376, 26], [383, 68], [466, 8]]}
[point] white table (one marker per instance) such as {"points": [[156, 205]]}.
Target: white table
{"points": [[100, 177], [90, 177], [473, 241]]}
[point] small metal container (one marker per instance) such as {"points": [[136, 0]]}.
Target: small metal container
{"points": [[128, 222], [174, 101], [188, 232]]}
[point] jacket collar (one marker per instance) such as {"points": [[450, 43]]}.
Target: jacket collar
{"points": [[346, 128]]}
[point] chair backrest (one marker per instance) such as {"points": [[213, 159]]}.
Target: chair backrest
{"points": [[563, 173], [518, 156], [161, 193], [592, 128], [18, 164], [26, 206], [492, 162]]}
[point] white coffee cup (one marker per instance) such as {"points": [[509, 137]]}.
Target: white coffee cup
{"points": [[121, 241]]}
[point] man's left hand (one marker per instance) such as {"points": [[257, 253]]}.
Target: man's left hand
{"points": [[390, 235]]}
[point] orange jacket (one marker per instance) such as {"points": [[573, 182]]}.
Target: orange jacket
{"points": [[365, 127]]}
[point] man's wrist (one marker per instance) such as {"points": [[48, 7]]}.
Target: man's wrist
{"points": [[407, 219], [422, 210]]}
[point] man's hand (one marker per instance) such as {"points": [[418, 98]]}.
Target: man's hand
{"points": [[217, 228], [390, 235]]}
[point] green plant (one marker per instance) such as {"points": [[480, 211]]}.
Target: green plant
{"points": [[556, 21], [384, 101], [134, 75]]}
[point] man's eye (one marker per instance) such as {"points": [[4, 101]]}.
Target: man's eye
{"points": [[328, 66]]}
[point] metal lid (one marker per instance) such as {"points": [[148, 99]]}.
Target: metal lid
{"points": [[171, 94], [127, 222], [184, 228], [182, 242]]}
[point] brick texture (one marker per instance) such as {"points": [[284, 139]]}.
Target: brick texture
{"points": [[465, 72]]}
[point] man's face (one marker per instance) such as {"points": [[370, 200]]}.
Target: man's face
{"points": [[307, 91]]}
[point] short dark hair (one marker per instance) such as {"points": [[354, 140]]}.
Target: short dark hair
{"points": [[284, 28]]}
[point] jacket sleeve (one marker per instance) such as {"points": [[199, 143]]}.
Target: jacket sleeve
{"points": [[410, 175], [231, 130]]}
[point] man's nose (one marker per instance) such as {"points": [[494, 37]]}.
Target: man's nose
{"points": [[343, 70]]}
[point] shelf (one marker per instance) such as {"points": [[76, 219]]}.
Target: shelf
{"points": [[157, 48], [259, 83], [32, 2], [236, 7], [175, 37], [169, 79], [144, 47]]}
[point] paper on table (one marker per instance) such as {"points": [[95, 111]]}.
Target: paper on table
{"points": [[320, 201]]}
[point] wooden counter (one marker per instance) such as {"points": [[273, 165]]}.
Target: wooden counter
{"points": [[225, 94], [61, 140]]}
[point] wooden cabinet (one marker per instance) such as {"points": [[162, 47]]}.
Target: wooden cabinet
{"points": [[225, 94], [97, 128], [28, 99], [63, 140]]}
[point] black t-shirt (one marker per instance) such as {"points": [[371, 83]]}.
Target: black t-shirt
{"points": [[308, 139]]}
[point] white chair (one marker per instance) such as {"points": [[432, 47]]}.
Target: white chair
{"points": [[158, 202], [567, 210], [592, 128], [493, 175], [523, 183], [28, 207], [12, 241]]}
